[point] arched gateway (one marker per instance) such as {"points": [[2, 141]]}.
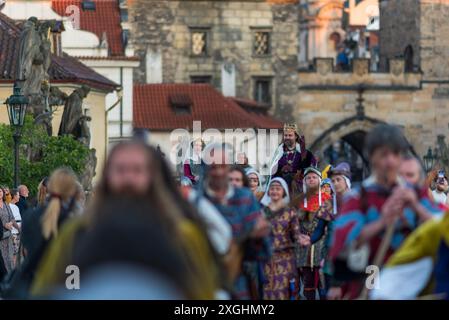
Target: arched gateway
{"points": [[345, 140]]}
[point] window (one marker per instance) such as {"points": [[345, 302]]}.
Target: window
{"points": [[201, 79], [262, 90], [88, 5], [199, 41], [261, 42], [181, 103], [55, 40]]}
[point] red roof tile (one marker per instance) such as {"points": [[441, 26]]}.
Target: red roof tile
{"points": [[152, 109], [104, 19], [250, 104], [63, 69]]}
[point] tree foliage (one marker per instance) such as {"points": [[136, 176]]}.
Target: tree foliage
{"points": [[39, 154]]}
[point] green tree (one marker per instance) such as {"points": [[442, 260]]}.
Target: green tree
{"points": [[51, 151]]}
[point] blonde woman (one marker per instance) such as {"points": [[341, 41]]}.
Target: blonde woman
{"points": [[42, 225], [42, 192]]}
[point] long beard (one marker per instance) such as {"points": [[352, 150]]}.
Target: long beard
{"points": [[289, 144], [312, 191]]}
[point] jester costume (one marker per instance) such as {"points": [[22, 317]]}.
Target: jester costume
{"points": [[280, 271], [363, 206]]}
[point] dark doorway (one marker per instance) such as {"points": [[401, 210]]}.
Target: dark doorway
{"points": [[408, 58], [350, 149]]}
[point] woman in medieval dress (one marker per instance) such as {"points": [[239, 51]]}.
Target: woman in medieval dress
{"points": [[280, 271]]}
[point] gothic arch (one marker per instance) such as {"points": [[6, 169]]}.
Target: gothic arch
{"points": [[323, 11], [343, 130]]}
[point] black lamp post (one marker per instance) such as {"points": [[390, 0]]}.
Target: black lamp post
{"points": [[429, 160], [17, 105]]}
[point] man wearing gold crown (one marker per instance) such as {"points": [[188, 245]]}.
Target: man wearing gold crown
{"points": [[291, 159]]}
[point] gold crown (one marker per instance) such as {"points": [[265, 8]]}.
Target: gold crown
{"points": [[291, 126]]}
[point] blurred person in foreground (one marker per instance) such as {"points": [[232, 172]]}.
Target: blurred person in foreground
{"points": [[142, 263], [383, 201], [413, 174], [40, 226], [341, 183], [251, 246], [137, 172], [237, 177], [420, 268]]}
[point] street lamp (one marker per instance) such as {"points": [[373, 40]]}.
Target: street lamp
{"points": [[429, 160], [16, 105]]}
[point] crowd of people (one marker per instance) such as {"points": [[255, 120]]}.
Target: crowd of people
{"points": [[220, 230]]}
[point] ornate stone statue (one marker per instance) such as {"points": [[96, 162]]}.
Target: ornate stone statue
{"points": [[73, 121], [29, 42], [89, 171], [34, 61]]}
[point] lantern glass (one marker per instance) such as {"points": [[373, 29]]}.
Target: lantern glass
{"points": [[429, 160], [16, 113], [17, 105]]}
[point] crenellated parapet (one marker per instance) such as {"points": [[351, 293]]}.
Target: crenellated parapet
{"points": [[325, 76]]}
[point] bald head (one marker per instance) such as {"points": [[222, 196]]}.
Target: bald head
{"points": [[411, 171]]}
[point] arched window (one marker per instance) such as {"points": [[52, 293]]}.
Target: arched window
{"points": [[336, 39], [408, 58]]}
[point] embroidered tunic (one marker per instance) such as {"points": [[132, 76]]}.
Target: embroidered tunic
{"points": [[281, 268]]}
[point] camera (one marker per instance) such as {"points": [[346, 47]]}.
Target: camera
{"points": [[441, 176]]}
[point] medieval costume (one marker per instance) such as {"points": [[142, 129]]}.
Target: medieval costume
{"points": [[280, 271], [193, 165], [289, 162], [313, 207], [363, 207], [420, 266], [242, 210], [252, 174]]}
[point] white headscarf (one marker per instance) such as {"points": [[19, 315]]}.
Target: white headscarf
{"points": [[348, 182], [253, 171], [266, 200]]}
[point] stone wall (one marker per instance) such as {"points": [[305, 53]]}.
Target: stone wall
{"points": [[163, 27], [434, 37], [422, 24], [328, 99], [399, 27]]}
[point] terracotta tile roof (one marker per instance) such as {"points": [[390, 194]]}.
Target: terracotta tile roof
{"points": [[250, 105], [104, 19], [69, 69], [152, 109], [63, 69]]}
